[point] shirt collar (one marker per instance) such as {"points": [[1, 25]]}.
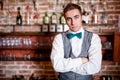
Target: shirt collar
{"points": [[81, 30]]}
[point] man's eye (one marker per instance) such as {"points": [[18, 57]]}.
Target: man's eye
{"points": [[76, 17]]}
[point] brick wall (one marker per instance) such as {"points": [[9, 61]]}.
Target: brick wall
{"points": [[10, 7], [44, 68]]}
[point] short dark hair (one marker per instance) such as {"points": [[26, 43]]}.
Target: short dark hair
{"points": [[71, 6]]}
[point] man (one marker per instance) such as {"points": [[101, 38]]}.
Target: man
{"points": [[76, 54]]}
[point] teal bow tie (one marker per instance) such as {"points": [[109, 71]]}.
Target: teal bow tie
{"points": [[71, 35]]}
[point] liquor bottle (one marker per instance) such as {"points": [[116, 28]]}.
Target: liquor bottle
{"points": [[109, 77], [18, 17], [1, 3], [46, 18], [54, 18], [28, 8], [31, 77], [62, 19], [85, 17], [103, 77], [21, 77], [14, 77], [95, 18]]}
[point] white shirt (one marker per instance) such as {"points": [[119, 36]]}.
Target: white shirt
{"points": [[61, 64]]}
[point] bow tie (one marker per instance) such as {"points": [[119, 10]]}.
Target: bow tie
{"points": [[78, 35]]}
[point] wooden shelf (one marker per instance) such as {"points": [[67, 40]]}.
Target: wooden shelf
{"points": [[106, 33], [32, 59], [107, 49], [29, 34], [54, 24], [47, 37], [32, 48]]}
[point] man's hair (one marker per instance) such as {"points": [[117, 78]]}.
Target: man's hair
{"points": [[71, 6]]}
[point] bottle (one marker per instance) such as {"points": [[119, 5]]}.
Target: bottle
{"points": [[21, 77], [46, 18], [31, 77], [54, 18], [1, 3], [109, 77], [14, 77], [92, 19], [85, 17], [95, 18], [18, 17], [62, 19], [28, 14]]}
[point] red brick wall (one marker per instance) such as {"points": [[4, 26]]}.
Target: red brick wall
{"points": [[45, 69]]}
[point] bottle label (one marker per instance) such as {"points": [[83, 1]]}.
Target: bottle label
{"points": [[46, 20], [63, 20], [54, 19], [19, 21]]}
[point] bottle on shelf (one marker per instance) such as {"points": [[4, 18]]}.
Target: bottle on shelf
{"points": [[62, 19], [109, 77], [31, 77], [36, 17], [21, 77], [85, 17], [28, 8], [14, 77], [95, 18], [18, 17], [103, 77], [46, 19], [1, 3], [54, 18], [94, 15]]}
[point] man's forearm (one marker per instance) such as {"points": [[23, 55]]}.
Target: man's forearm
{"points": [[84, 60]]}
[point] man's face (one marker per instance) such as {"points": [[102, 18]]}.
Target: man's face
{"points": [[73, 19]]}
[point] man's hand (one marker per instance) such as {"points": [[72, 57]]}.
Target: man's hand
{"points": [[84, 60]]}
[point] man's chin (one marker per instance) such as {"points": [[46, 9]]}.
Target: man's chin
{"points": [[74, 30]]}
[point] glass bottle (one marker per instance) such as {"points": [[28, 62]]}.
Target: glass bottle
{"points": [[54, 18], [19, 17], [1, 3], [62, 19], [46, 18], [85, 17], [31, 77]]}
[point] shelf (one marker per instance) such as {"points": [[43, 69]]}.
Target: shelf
{"points": [[46, 39], [98, 24], [106, 33], [53, 24], [38, 29], [107, 49], [28, 34], [27, 48], [43, 33], [32, 59]]}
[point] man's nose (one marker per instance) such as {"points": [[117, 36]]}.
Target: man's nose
{"points": [[72, 21]]}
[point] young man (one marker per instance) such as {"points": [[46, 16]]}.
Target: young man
{"points": [[76, 54]]}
